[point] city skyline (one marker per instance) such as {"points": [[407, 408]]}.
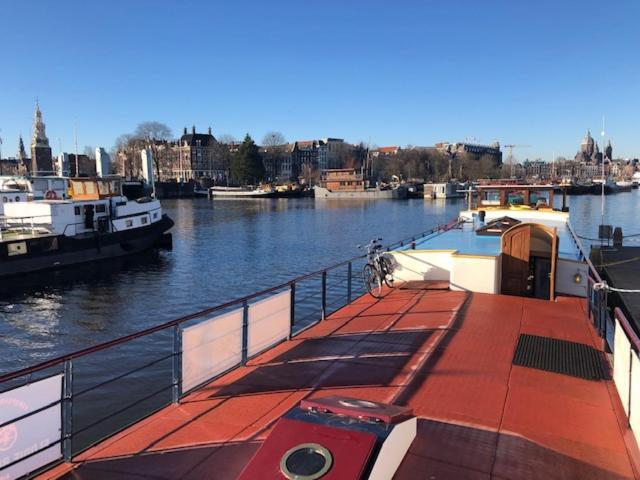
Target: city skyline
{"points": [[424, 74]]}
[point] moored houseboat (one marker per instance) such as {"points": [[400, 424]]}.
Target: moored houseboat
{"points": [[90, 221], [347, 183]]}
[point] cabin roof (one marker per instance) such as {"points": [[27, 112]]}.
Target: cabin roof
{"points": [[465, 239], [447, 355]]}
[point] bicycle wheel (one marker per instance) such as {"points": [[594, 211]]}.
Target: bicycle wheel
{"points": [[372, 281], [387, 271]]}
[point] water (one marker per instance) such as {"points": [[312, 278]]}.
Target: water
{"points": [[223, 249]]}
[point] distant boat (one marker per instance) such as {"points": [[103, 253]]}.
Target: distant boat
{"points": [[241, 192], [450, 189], [624, 185], [347, 183]]}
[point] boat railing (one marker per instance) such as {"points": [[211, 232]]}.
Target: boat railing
{"points": [[187, 353], [619, 337], [29, 224]]}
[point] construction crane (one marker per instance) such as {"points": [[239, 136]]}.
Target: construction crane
{"points": [[510, 156]]}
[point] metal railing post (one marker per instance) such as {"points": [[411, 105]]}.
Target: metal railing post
{"points": [[176, 391], [604, 323], [292, 310], [245, 331], [349, 272], [67, 412], [324, 295], [630, 389]]}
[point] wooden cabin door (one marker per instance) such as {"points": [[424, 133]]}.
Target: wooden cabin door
{"points": [[516, 247]]}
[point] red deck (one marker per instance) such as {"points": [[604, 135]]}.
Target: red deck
{"points": [[446, 354]]}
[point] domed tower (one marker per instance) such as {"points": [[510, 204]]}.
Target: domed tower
{"points": [[588, 145], [41, 160]]}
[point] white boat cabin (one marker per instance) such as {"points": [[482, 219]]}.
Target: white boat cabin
{"points": [[92, 205], [513, 242]]}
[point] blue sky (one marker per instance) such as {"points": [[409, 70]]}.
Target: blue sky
{"points": [[537, 73]]}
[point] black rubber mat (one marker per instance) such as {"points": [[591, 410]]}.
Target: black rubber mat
{"points": [[560, 356]]}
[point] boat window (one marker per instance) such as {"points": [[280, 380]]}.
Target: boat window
{"points": [[155, 215], [101, 208], [76, 211], [515, 198], [491, 198], [144, 220], [129, 223], [4, 199], [17, 199]]}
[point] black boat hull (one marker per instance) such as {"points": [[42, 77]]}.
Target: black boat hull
{"points": [[90, 248]]}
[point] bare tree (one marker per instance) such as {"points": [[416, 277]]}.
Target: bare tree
{"points": [[273, 139], [274, 145], [90, 152], [226, 139], [155, 135]]}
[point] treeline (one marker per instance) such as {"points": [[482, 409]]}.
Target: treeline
{"points": [[433, 165], [248, 163]]}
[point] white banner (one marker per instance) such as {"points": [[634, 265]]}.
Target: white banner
{"points": [[22, 438], [210, 348], [269, 321]]}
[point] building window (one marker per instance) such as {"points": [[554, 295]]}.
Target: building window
{"points": [[129, 223]]}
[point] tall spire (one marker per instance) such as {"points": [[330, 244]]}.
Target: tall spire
{"points": [[39, 138], [22, 153]]}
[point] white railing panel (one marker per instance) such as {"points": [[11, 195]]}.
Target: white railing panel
{"points": [[268, 322], [22, 438], [210, 348], [634, 409], [621, 364]]}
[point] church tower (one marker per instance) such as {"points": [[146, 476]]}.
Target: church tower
{"points": [[23, 167], [608, 151], [41, 160]]}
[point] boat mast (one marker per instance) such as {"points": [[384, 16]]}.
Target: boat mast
{"points": [[75, 131], [603, 180]]}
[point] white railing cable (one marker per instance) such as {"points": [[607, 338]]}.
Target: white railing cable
{"points": [[604, 286]]}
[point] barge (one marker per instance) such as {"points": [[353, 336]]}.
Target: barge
{"points": [[493, 357], [90, 221]]}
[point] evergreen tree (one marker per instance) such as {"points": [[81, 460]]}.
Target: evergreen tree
{"points": [[246, 166]]}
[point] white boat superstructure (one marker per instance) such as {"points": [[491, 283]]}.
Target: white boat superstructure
{"points": [[241, 192]]}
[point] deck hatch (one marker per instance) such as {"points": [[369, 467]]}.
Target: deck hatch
{"points": [[560, 356]]}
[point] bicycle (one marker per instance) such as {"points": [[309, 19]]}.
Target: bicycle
{"points": [[378, 269]]}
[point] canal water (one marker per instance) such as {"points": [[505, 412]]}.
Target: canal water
{"points": [[222, 250]]}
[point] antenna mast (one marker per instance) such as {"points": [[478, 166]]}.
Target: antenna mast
{"points": [[603, 179], [76, 138]]}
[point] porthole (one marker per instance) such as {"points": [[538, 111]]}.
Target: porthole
{"points": [[307, 461]]}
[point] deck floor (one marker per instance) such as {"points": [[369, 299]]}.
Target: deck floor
{"points": [[446, 354]]}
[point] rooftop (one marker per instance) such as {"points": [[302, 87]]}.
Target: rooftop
{"points": [[448, 355]]}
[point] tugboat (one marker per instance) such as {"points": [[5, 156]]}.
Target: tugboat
{"points": [[92, 221]]}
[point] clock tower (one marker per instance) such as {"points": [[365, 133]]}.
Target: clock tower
{"points": [[41, 160]]}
